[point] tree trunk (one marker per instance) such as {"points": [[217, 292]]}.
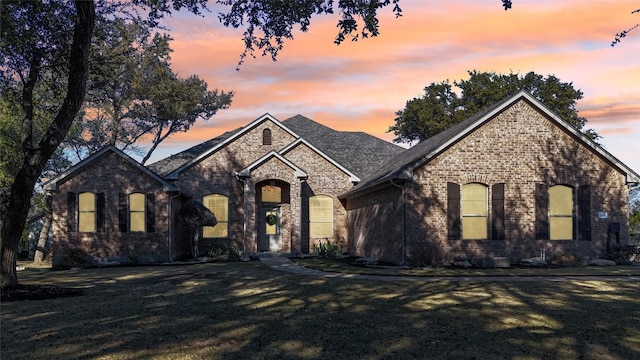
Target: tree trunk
{"points": [[35, 158], [41, 251]]}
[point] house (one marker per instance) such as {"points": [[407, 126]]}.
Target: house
{"points": [[513, 181], [272, 186]]}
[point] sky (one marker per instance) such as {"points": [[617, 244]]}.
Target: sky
{"points": [[359, 86]]}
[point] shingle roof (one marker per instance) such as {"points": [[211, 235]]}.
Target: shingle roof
{"points": [[358, 152], [70, 172], [401, 167], [167, 165]]}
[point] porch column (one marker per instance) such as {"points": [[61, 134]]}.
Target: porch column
{"points": [[296, 214], [249, 202]]}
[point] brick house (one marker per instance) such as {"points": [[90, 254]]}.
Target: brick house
{"points": [[513, 181], [510, 181], [272, 186]]}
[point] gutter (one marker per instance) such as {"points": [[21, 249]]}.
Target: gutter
{"points": [[403, 227], [170, 218], [240, 178]]}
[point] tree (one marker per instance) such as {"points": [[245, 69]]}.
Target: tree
{"points": [[441, 107], [634, 211], [132, 92], [52, 39]]}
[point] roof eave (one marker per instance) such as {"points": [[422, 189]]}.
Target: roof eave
{"points": [[176, 173]]}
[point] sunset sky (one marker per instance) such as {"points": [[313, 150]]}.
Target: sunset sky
{"points": [[358, 86]]}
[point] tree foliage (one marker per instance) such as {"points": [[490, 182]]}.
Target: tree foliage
{"points": [[133, 93], [267, 23], [441, 107], [48, 39]]}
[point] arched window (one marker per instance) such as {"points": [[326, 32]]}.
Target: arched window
{"points": [[266, 137], [137, 219], [219, 206], [87, 212], [474, 211], [271, 194], [560, 212], [320, 216]]}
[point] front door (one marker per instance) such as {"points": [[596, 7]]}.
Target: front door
{"points": [[269, 223]]}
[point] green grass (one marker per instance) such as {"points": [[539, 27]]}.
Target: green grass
{"points": [[247, 311], [332, 265]]}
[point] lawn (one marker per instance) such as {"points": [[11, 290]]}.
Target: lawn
{"points": [[247, 311]]}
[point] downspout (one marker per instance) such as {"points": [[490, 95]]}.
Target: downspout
{"points": [[170, 236], [244, 215], [403, 230]]}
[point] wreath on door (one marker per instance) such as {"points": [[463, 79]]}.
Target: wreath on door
{"points": [[271, 219]]}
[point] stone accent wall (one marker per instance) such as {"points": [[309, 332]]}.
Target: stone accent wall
{"points": [[111, 175], [324, 179], [216, 175], [519, 147]]}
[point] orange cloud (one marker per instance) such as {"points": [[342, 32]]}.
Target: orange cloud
{"points": [[360, 85]]}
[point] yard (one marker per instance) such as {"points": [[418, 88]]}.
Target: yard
{"points": [[248, 311]]}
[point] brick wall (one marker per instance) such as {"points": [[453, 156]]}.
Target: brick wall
{"points": [[215, 174], [111, 175], [520, 147]]}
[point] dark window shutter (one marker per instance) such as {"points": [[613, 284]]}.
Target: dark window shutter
{"points": [[497, 212], [542, 212], [123, 215], [584, 213], [453, 211], [100, 212], [150, 215], [71, 212]]}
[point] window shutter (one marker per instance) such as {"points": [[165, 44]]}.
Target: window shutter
{"points": [[71, 212], [122, 212], [542, 212], [453, 211], [584, 213], [497, 212], [150, 208], [100, 212]]}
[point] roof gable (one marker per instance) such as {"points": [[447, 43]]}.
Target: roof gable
{"points": [[246, 172], [352, 176], [360, 153], [222, 142], [402, 166], [54, 183]]}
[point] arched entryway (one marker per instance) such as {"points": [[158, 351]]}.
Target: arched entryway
{"points": [[273, 202]]}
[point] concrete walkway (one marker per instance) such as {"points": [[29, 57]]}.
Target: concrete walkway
{"points": [[282, 262]]}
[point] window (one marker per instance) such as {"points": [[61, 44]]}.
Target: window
{"points": [[272, 194], [560, 212], [137, 212], [266, 137], [86, 212], [219, 206], [474, 211], [320, 216]]}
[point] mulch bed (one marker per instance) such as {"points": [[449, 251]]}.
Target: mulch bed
{"points": [[38, 292]]}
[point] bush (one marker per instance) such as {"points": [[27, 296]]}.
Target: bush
{"points": [[327, 249], [76, 257], [230, 253], [624, 254]]}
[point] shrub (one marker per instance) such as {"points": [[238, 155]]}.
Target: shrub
{"points": [[76, 257], [624, 254], [327, 249], [229, 253]]}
